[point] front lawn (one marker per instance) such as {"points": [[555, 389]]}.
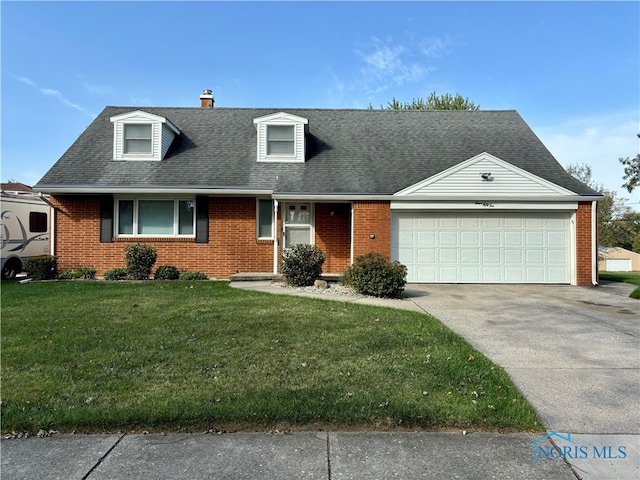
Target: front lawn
{"points": [[98, 356], [626, 277]]}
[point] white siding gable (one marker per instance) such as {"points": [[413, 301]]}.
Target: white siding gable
{"points": [[466, 180], [163, 132], [299, 125]]}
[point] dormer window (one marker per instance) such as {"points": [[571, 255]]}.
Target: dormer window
{"points": [[281, 137], [137, 138], [140, 135]]}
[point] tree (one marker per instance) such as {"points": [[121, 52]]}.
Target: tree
{"points": [[618, 225], [631, 172], [433, 102]]}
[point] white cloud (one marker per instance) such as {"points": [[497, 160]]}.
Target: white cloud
{"points": [[50, 92], [598, 142], [389, 64]]}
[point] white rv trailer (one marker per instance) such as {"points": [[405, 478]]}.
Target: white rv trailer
{"points": [[24, 230]]}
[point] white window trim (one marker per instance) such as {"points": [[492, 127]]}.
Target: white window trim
{"points": [[273, 220], [176, 217], [137, 155]]}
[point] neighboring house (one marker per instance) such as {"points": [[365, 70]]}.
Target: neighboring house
{"points": [[456, 196], [617, 259]]}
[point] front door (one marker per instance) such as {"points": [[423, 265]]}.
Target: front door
{"points": [[297, 224]]}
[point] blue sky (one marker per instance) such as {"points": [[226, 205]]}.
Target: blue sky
{"points": [[572, 70]]}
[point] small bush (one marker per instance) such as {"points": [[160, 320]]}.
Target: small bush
{"points": [[193, 276], [373, 274], [68, 275], [140, 260], [302, 264], [167, 272], [42, 267], [118, 273], [87, 273]]}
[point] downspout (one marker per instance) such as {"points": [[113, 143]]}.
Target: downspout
{"points": [[594, 243], [52, 225], [275, 237]]}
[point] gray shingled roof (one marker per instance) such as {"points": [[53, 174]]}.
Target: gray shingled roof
{"points": [[375, 152]]}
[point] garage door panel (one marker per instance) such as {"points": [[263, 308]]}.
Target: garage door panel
{"points": [[513, 239], [491, 238], [426, 238], [489, 247], [448, 238], [514, 257], [470, 274]]}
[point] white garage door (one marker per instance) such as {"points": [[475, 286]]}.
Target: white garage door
{"points": [[618, 264], [483, 247]]}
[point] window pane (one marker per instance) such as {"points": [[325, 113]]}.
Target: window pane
{"points": [[155, 217], [137, 146], [137, 138], [37, 222], [125, 217], [280, 148], [280, 132], [185, 217], [280, 140], [265, 219]]}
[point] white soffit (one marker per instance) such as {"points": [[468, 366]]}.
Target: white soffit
{"points": [[485, 175]]}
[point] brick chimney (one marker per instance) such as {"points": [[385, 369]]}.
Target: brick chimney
{"points": [[206, 99]]}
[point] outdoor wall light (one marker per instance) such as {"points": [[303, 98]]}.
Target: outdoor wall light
{"points": [[486, 177], [372, 236]]}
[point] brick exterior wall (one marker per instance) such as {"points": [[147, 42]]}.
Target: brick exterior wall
{"points": [[371, 219], [232, 246], [333, 235], [584, 247]]}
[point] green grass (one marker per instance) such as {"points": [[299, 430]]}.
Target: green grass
{"points": [[626, 277], [101, 356]]}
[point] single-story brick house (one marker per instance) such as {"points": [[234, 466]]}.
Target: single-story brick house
{"points": [[456, 196]]}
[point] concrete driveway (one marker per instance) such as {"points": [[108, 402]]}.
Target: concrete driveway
{"points": [[574, 352]]}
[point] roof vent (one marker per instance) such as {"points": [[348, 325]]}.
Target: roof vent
{"points": [[206, 99]]}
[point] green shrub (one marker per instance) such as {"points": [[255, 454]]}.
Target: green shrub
{"points": [[68, 275], [140, 259], [167, 272], [118, 273], [302, 264], [42, 267], [87, 273], [193, 276], [373, 274]]}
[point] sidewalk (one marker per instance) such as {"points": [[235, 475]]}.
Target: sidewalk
{"points": [[309, 455]]}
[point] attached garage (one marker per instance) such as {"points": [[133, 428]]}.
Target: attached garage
{"points": [[484, 247]]}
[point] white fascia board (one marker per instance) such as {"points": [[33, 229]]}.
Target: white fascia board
{"points": [[485, 205], [151, 190], [280, 117], [146, 116]]}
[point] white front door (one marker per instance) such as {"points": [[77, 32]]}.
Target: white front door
{"points": [[297, 224]]}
